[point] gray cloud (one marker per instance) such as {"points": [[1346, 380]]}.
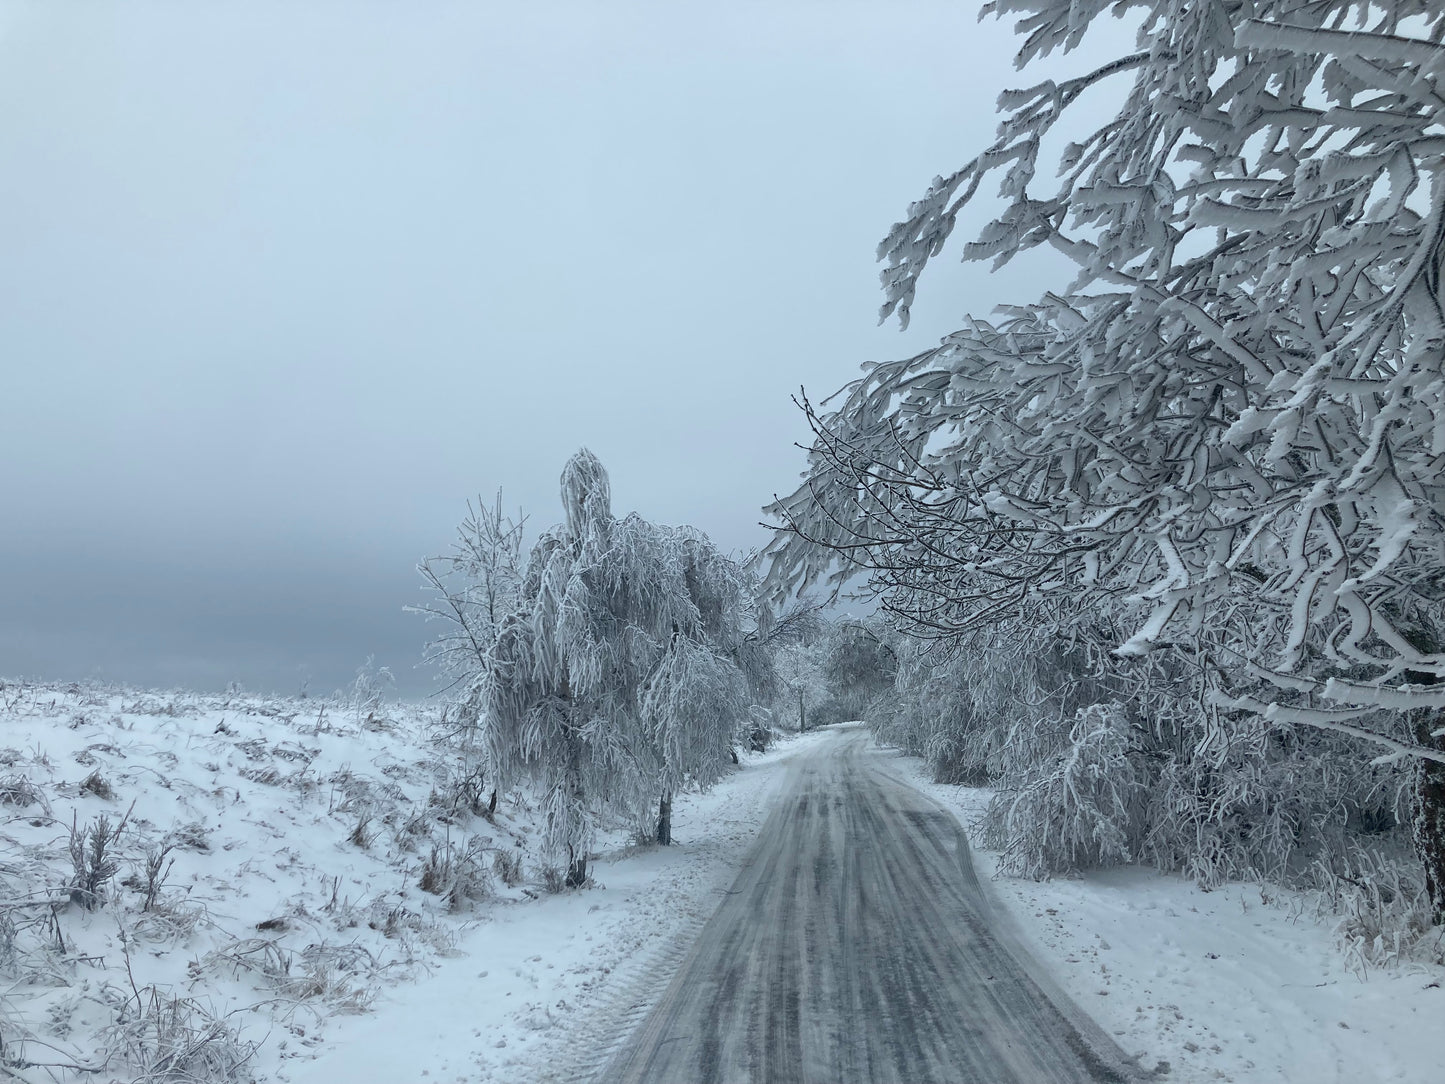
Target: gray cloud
{"points": [[283, 285]]}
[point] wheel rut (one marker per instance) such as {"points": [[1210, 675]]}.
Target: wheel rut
{"points": [[856, 944]]}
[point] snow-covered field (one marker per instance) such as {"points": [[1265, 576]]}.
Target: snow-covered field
{"points": [[1246, 983], [282, 930], [547, 990]]}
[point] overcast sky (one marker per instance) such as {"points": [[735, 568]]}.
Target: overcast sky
{"points": [[282, 285]]}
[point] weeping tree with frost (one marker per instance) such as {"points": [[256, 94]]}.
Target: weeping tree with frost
{"points": [[614, 680]]}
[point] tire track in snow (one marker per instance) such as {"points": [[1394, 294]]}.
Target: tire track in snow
{"points": [[635, 986], [856, 944]]}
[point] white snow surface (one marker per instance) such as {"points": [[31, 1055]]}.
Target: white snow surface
{"points": [[1244, 983], [547, 989], [276, 934], [291, 935]]}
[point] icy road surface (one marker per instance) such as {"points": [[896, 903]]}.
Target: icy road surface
{"points": [[857, 945]]}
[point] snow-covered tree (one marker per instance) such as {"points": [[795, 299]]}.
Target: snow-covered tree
{"points": [[1229, 430], [841, 669], [860, 667], [613, 681], [799, 667], [471, 590]]}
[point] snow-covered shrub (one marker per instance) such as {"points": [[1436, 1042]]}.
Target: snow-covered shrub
{"points": [[94, 859], [156, 866], [1080, 805], [1213, 799], [460, 875], [366, 699], [934, 715], [169, 922], [507, 867], [1383, 907], [341, 975], [162, 1037], [960, 703], [759, 731], [98, 785], [16, 789], [1266, 804]]}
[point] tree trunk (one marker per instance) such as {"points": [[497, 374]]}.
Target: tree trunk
{"points": [[576, 863], [492, 802], [802, 719], [576, 869], [664, 819], [1429, 824], [1428, 827]]}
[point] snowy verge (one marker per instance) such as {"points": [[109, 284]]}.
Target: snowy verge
{"points": [[1245, 983], [545, 989], [244, 888], [194, 887]]}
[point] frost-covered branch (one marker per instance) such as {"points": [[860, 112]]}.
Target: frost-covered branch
{"points": [[1224, 442]]}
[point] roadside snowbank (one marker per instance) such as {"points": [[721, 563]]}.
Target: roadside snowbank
{"points": [[290, 933], [1246, 983], [281, 930], [546, 989]]}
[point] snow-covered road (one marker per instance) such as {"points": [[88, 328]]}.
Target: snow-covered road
{"points": [[542, 990], [857, 944]]}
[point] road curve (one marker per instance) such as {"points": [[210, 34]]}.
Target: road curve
{"points": [[857, 945]]}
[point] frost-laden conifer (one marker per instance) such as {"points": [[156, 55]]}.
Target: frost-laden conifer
{"points": [[614, 679], [1229, 431]]}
